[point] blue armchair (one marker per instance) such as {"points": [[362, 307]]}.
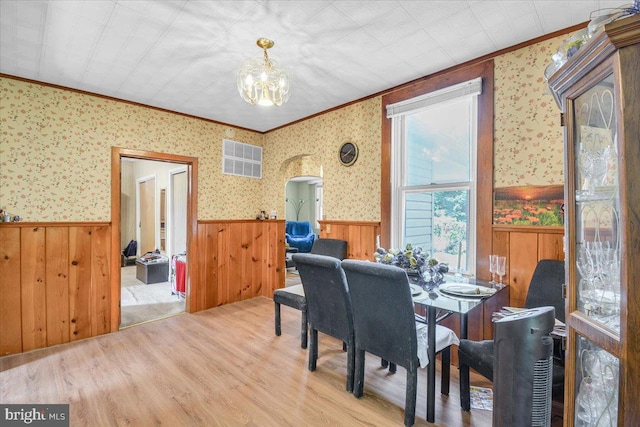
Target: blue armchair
{"points": [[299, 234]]}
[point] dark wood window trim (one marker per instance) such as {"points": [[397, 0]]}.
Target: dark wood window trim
{"points": [[484, 212]]}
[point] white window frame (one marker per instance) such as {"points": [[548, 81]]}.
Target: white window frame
{"points": [[397, 113]]}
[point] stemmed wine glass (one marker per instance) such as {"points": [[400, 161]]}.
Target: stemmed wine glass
{"points": [[593, 164], [501, 266], [493, 266]]}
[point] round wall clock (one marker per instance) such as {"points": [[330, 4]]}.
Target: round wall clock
{"points": [[348, 153]]}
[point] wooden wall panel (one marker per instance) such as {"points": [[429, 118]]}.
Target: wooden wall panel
{"points": [[234, 272], [523, 256], [524, 247], [269, 243], [222, 266], [80, 282], [56, 277], [198, 296], [278, 270], [33, 290], [10, 313], [550, 246], [258, 252], [273, 266], [57, 284], [100, 280], [360, 236], [238, 260]]}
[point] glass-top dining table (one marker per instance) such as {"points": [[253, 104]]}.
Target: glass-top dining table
{"points": [[435, 301]]}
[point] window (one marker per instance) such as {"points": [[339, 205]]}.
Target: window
{"points": [[433, 173], [241, 159]]}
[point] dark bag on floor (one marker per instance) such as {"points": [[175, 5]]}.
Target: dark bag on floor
{"points": [[131, 249]]}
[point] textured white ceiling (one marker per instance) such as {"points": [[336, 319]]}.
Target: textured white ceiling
{"points": [[183, 55]]}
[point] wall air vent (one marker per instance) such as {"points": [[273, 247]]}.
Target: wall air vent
{"points": [[241, 159]]}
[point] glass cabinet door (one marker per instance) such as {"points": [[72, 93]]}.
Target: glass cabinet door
{"points": [[597, 231], [597, 381]]}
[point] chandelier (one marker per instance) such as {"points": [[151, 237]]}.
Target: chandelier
{"points": [[262, 81]]}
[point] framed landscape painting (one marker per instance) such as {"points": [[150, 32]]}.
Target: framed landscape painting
{"points": [[529, 205]]}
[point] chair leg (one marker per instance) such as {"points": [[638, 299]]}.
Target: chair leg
{"points": [[351, 354], [313, 349], [304, 327], [384, 363], [465, 390], [410, 398], [445, 371], [358, 385], [277, 320], [393, 368]]}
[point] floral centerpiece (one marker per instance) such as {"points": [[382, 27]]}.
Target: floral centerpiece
{"points": [[415, 262]]}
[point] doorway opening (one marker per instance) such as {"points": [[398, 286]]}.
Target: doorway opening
{"points": [[153, 213], [304, 200], [154, 205]]}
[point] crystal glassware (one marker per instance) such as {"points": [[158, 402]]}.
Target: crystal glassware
{"points": [[493, 266], [501, 266], [593, 164]]}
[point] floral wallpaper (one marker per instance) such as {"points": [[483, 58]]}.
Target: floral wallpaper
{"points": [[55, 148], [350, 193], [55, 152], [528, 142]]}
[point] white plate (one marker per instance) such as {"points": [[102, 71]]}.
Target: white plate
{"points": [[466, 290], [415, 290]]}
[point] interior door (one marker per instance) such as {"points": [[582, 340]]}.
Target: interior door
{"points": [[147, 215]]}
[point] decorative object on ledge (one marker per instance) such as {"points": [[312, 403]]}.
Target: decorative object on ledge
{"points": [[415, 262], [599, 18], [262, 81]]}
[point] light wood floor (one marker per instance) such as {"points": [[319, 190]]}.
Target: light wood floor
{"points": [[219, 367]]}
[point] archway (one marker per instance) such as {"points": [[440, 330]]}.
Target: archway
{"points": [[302, 181]]}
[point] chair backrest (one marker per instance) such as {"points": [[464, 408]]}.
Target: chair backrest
{"points": [[383, 313], [325, 289], [298, 228], [330, 247], [546, 287]]}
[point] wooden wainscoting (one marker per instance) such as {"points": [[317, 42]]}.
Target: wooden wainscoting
{"points": [[238, 260], [360, 236], [524, 247], [55, 284]]}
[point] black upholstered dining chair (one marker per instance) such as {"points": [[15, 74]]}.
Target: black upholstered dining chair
{"points": [[293, 296], [385, 325], [328, 305], [545, 289]]}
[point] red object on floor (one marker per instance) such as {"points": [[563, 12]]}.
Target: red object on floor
{"points": [[181, 268]]}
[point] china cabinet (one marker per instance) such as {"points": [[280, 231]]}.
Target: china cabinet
{"points": [[598, 90]]}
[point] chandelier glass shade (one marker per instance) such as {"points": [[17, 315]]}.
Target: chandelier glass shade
{"points": [[262, 81]]}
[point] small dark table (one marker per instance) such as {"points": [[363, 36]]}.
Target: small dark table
{"points": [[461, 305], [152, 272]]}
